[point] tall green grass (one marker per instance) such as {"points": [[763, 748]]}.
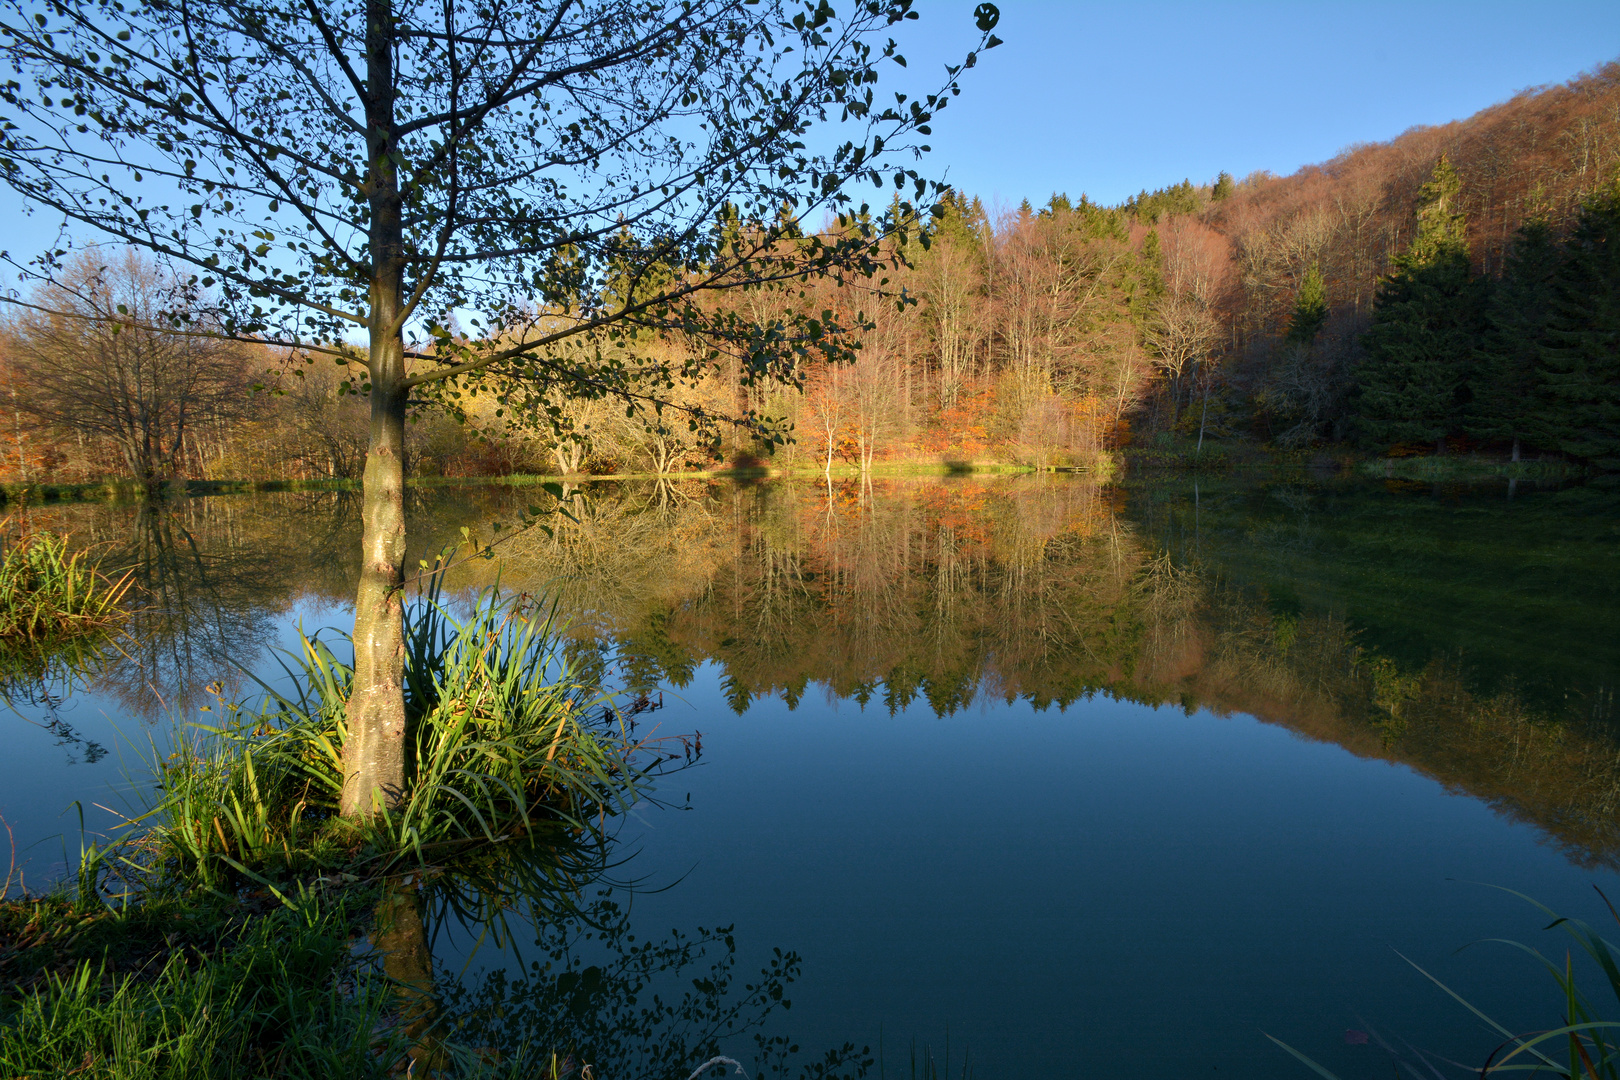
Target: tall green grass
{"points": [[58, 615], [49, 592], [280, 994], [508, 740]]}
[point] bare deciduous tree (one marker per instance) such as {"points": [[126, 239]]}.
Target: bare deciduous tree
{"points": [[1184, 325], [87, 359]]}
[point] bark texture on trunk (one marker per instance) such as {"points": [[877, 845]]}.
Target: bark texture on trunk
{"points": [[374, 753]]}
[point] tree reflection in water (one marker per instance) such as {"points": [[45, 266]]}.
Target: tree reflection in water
{"points": [[211, 576], [585, 997], [1295, 603], [1302, 604]]}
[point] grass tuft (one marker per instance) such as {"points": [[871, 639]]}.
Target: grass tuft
{"points": [[177, 992], [507, 739], [50, 593]]}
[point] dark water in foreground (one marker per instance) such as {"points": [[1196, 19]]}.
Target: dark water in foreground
{"points": [[1092, 780]]}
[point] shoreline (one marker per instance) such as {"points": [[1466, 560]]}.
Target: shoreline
{"points": [[1219, 458]]}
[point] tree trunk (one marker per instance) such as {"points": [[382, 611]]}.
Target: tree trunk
{"points": [[1515, 448], [1203, 417], [374, 752]]}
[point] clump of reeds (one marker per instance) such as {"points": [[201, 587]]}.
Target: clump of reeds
{"points": [[51, 593], [507, 739]]}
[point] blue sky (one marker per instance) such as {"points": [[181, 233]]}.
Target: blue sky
{"points": [[1111, 98], [1108, 99]]}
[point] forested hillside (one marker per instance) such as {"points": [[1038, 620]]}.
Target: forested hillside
{"points": [[1456, 287]]}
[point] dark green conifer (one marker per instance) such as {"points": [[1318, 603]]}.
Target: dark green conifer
{"points": [[961, 220], [1507, 404], [1580, 364], [1149, 283], [1310, 309], [1224, 186], [1427, 320]]}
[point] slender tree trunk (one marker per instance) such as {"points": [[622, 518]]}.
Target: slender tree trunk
{"points": [[1515, 448], [22, 451], [1203, 418], [374, 753]]}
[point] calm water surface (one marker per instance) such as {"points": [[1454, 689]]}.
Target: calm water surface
{"points": [[1084, 780]]}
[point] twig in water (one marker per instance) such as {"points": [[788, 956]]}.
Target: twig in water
{"points": [[717, 1061]]}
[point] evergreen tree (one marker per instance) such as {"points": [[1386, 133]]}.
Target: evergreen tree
{"points": [[1310, 309], [1179, 198], [1149, 284], [1224, 186], [1506, 404], [1441, 227], [1580, 364], [960, 220], [1412, 385]]}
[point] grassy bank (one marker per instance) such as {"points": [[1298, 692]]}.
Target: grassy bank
{"points": [[201, 988], [1179, 453], [1166, 453], [19, 495], [1467, 467], [128, 491]]}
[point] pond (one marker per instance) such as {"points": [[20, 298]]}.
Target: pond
{"points": [[1074, 779]]}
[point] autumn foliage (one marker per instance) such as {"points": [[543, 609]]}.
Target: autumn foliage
{"points": [[1294, 310]]}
